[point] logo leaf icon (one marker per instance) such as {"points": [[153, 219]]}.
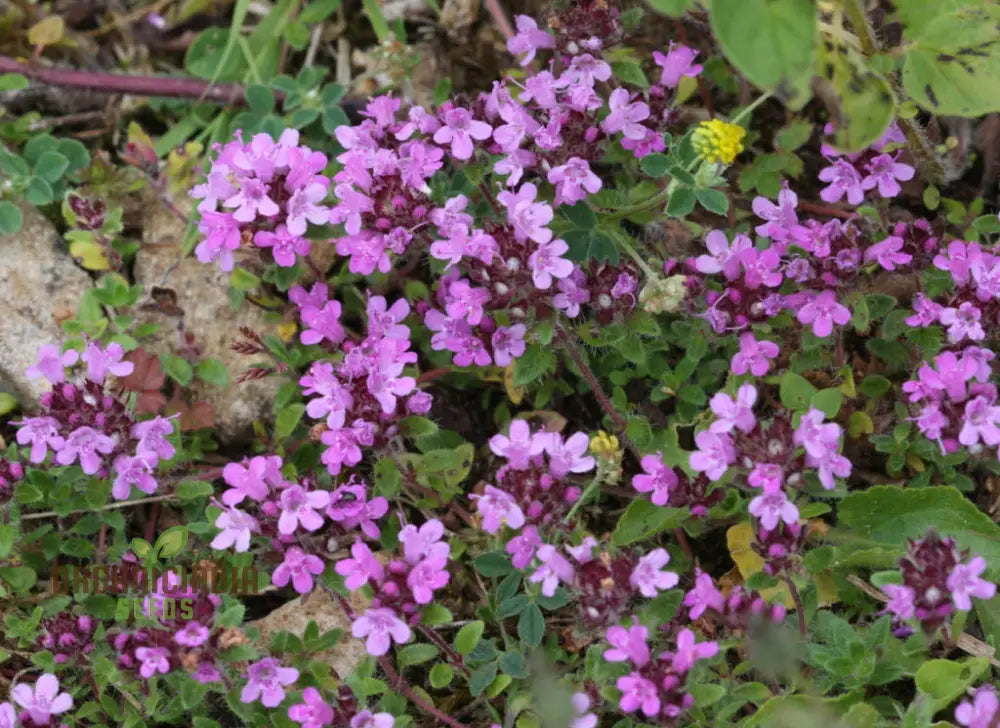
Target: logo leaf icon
{"points": [[140, 547], [171, 542]]}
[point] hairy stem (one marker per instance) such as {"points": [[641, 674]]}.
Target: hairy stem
{"points": [[797, 600], [916, 140]]}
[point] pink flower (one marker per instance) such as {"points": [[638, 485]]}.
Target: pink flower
{"points": [[88, 445], [569, 456], [367, 719], [734, 413], [266, 681], [883, 171], [153, 660], [350, 207], [508, 343], [298, 567], [42, 701], [782, 219], [765, 475], [152, 437], [381, 627], [527, 217], [298, 508], [888, 253], [638, 693], [722, 258], [547, 264], [222, 237], [647, 576], [823, 312], [688, 652], [191, 634], [900, 601], [714, 455], [284, 245], [529, 39], [554, 568], [459, 129], [8, 716], [42, 433], [658, 479], [360, 569], [678, 62], [773, 506], [52, 364], [962, 322], [581, 707], [303, 207], [843, 179], [520, 446], [250, 480], [628, 645], [522, 547], [236, 527], [573, 181], [625, 116], [753, 355], [428, 576], [419, 543], [313, 712], [980, 421], [322, 323], [101, 362], [703, 595], [135, 471], [982, 711], [498, 509], [964, 583]]}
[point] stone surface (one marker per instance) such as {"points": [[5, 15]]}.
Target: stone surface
{"points": [[207, 323], [40, 286], [320, 607]]}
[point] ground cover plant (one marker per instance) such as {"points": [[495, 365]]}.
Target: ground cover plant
{"points": [[648, 381]]}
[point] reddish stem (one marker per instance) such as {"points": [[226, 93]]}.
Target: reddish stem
{"points": [[825, 210], [118, 83], [500, 18]]}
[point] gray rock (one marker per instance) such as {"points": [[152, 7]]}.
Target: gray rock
{"points": [[40, 286], [208, 318]]}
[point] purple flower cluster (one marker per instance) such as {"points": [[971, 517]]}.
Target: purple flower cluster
{"points": [[290, 514], [82, 423], [737, 611], [853, 175], [361, 398], [957, 403], [262, 191], [655, 686], [400, 587], [936, 582], [974, 305], [67, 636]]}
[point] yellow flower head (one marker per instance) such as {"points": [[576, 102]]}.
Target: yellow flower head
{"points": [[604, 446], [718, 141]]}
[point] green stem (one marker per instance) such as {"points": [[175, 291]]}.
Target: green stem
{"points": [[748, 110], [591, 487]]}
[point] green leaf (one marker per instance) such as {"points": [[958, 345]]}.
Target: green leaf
{"points": [[191, 489], [630, 71], [287, 420], [213, 372], [874, 385], [671, 8], [51, 165], [317, 12], [794, 135], [795, 391], [493, 563], [828, 402], [953, 66], [580, 214], [771, 42], [192, 692], [713, 200], [178, 369], [243, 280], [441, 675], [10, 218], [20, 578], [468, 637], [8, 534], [530, 626], [642, 519], [889, 515], [530, 367], [7, 402], [13, 82], [860, 101], [681, 202], [655, 164], [387, 477], [481, 678], [416, 654], [946, 680]]}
